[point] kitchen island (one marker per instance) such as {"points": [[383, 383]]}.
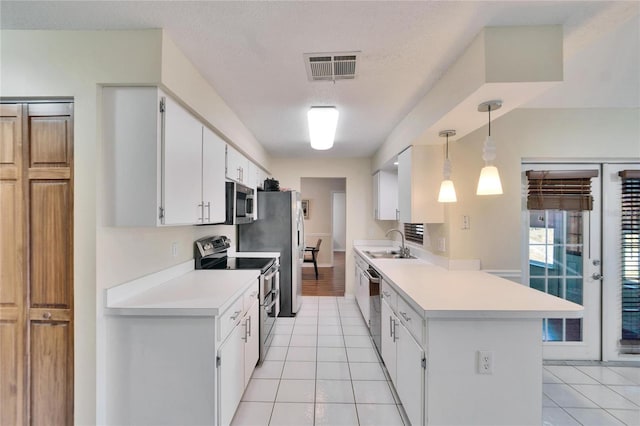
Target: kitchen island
{"points": [[182, 346], [462, 347]]}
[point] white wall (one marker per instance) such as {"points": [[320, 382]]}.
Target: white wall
{"points": [[76, 64], [339, 221], [357, 171], [494, 237]]}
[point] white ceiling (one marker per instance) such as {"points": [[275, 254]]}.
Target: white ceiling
{"points": [[252, 54]]}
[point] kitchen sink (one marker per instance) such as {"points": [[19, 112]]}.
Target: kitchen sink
{"points": [[387, 254]]}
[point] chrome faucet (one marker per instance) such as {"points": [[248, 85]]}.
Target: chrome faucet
{"points": [[404, 251]]}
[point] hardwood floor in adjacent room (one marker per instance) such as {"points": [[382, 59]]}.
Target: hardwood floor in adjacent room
{"points": [[330, 280]]}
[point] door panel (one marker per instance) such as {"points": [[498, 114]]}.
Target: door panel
{"points": [[51, 373], [11, 366], [50, 257], [12, 276], [621, 278], [388, 340], [410, 375], [230, 374], [182, 178], [562, 258]]}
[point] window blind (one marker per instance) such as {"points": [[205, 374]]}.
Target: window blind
{"points": [[414, 232], [560, 189], [630, 273]]}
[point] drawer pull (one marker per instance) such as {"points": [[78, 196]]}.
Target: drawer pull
{"points": [[46, 315], [235, 315]]}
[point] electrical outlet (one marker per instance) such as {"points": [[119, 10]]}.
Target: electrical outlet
{"points": [[174, 249], [485, 362]]}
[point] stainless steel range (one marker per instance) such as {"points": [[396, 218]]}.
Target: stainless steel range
{"points": [[211, 253]]}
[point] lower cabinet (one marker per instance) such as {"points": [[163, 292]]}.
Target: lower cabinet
{"points": [[405, 362], [236, 360], [362, 289]]}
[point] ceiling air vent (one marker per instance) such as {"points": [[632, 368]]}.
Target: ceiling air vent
{"points": [[331, 66]]}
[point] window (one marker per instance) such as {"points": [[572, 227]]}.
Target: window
{"points": [[414, 232]]}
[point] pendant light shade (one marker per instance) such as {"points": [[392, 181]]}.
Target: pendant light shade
{"points": [[447, 192], [489, 182], [322, 126]]}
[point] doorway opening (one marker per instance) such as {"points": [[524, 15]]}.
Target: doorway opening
{"points": [[325, 230]]}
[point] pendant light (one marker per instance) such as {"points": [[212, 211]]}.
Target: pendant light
{"points": [[489, 182], [447, 190], [322, 126]]}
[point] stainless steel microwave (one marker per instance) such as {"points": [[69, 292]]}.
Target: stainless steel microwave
{"points": [[239, 203]]}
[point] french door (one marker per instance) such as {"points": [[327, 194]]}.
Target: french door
{"points": [[562, 257], [621, 284]]}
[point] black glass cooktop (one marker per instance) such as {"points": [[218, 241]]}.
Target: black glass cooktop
{"points": [[224, 262]]}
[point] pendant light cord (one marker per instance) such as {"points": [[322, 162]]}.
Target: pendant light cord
{"points": [[447, 147]]}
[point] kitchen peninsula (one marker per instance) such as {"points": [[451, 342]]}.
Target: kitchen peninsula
{"points": [[461, 347]]}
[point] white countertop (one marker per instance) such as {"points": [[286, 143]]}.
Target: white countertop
{"points": [[441, 293], [195, 293]]}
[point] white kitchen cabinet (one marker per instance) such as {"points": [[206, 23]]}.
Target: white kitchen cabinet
{"points": [[410, 374], [252, 341], [388, 342], [405, 362], [160, 157], [237, 166], [230, 374], [238, 355], [213, 188], [419, 177], [385, 195], [362, 289]]}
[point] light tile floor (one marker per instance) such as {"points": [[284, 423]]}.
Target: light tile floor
{"points": [[322, 369]]}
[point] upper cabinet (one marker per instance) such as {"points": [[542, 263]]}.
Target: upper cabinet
{"points": [[167, 168], [419, 176], [385, 195], [237, 166], [213, 166]]}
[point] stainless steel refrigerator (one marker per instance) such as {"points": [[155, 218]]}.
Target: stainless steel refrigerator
{"points": [[280, 227]]}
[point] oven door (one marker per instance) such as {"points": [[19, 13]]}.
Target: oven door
{"points": [[269, 308]]}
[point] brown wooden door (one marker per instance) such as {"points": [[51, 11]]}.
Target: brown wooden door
{"points": [[36, 308], [12, 268]]}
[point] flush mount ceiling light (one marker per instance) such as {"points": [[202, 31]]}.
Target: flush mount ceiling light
{"points": [[322, 126], [447, 190], [489, 182]]}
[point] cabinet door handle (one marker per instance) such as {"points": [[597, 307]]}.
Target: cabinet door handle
{"points": [[209, 211], [46, 315], [246, 328], [397, 215], [249, 326], [395, 337], [391, 322], [201, 218]]}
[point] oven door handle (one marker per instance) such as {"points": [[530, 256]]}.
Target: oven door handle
{"points": [[275, 271], [275, 299]]}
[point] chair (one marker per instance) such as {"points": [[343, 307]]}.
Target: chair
{"points": [[314, 255]]}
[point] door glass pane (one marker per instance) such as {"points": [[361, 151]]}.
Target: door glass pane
{"points": [[555, 265], [573, 330], [554, 330]]}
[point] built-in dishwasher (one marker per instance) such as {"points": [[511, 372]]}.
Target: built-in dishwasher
{"points": [[375, 313]]}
